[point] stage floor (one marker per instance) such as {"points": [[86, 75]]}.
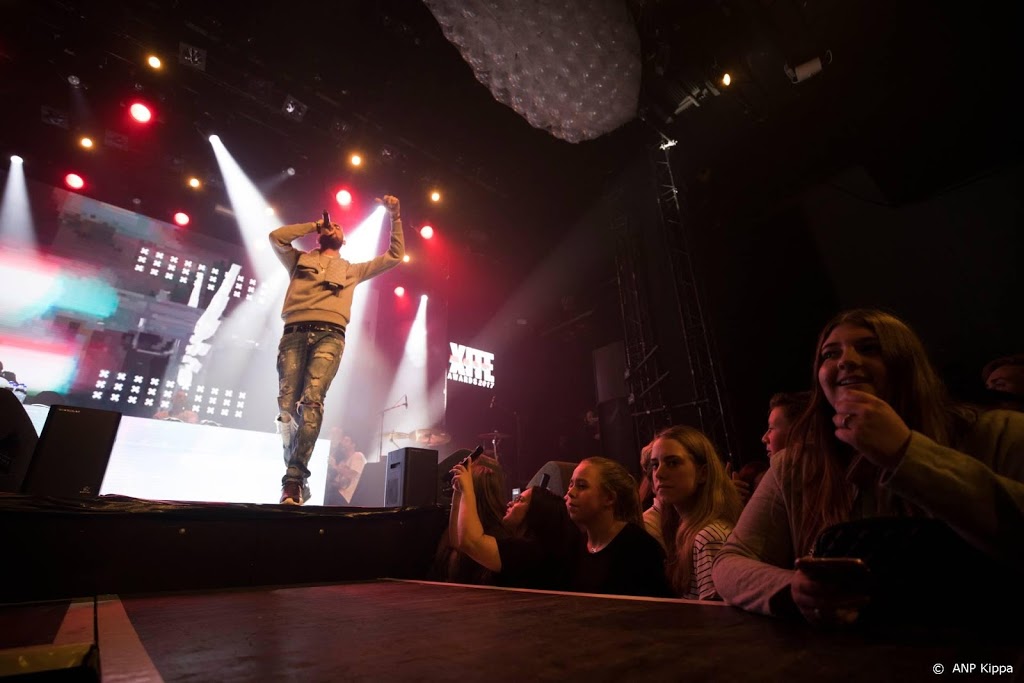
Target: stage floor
{"points": [[419, 631]]}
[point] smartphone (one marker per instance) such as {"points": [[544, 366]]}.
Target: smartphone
{"points": [[472, 457], [846, 570]]}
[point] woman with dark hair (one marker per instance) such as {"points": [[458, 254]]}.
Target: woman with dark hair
{"points": [[491, 503], [699, 505], [535, 544], [880, 439], [619, 556]]}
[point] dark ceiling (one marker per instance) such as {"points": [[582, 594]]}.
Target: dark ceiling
{"points": [[920, 93]]}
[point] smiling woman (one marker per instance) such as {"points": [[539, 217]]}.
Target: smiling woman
{"points": [[882, 440]]}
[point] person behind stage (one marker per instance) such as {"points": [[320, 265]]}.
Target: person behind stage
{"points": [[344, 469], [880, 440], [178, 410], [699, 503], [537, 542], [619, 557], [316, 312]]}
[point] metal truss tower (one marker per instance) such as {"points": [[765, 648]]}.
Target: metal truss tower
{"points": [[705, 394]]}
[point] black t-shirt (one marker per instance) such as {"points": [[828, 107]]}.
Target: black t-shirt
{"points": [[526, 564], [632, 564]]}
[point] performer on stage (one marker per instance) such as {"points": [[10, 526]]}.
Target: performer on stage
{"points": [[316, 312]]}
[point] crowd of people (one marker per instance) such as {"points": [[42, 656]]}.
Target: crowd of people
{"points": [[875, 478]]}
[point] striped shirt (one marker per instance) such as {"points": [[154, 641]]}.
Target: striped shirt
{"points": [[706, 545]]}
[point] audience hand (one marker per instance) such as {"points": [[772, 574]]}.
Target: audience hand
{"points": [[742, 487], [828, 602], [872, 427], [462, 480]]}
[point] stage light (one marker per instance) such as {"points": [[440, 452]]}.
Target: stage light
{"points": [[423, 297], [74, 181], [15, 159], [214, 139], [344, 197], [426, 232], [355, 160], [86, 142], [435, 196], [726, 79], [270, 211], [181, 218], [406, 259], [290, 171], [74, 80], [154, 62], [140, 112], [399, 290], [194, 183]]}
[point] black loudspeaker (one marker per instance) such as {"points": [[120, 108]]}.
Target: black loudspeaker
{"points": [[617, 438], [72, 454], [369, 491], [610, 372], [412, 478], [558, 474], [17, 442]]}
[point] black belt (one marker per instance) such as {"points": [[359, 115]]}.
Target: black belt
{"points": [[314, 327]]}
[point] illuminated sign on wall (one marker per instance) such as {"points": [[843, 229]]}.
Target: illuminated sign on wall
{"points": [[471, 366]]}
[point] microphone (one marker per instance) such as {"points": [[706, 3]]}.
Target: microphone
{"points": [[327, 220]]}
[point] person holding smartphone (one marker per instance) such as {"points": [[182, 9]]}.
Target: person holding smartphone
{"points": [[541, 540], [880, 440]]}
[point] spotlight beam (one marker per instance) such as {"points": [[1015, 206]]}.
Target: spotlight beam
{"points": [[17, 228]]}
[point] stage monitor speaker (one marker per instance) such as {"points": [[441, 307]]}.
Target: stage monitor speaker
{"points": [[558, 475], [411, 478], [617, 438], [17, 442], [72, 454], [369, 491], [610, 372]]}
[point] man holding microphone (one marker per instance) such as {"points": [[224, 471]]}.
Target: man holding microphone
{"points": [[316, 313]]}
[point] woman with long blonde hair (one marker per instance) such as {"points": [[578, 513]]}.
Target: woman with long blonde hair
{"points": [[699, 505]]}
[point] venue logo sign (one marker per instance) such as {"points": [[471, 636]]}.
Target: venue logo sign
{"points": [[471, 366]]}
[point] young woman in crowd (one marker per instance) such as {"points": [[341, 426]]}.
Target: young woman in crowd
{"points": [[490, 504], [619, 556], [880, 440], [699, 504], [536, 542]]}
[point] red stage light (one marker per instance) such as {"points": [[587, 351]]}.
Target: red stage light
{"points": [[426, 232], [399, 290], [344, 198], [181, 218], [74, 181], [140, 112]]}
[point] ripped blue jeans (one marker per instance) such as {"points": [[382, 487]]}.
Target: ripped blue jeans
{"points": [[306, 365]]}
